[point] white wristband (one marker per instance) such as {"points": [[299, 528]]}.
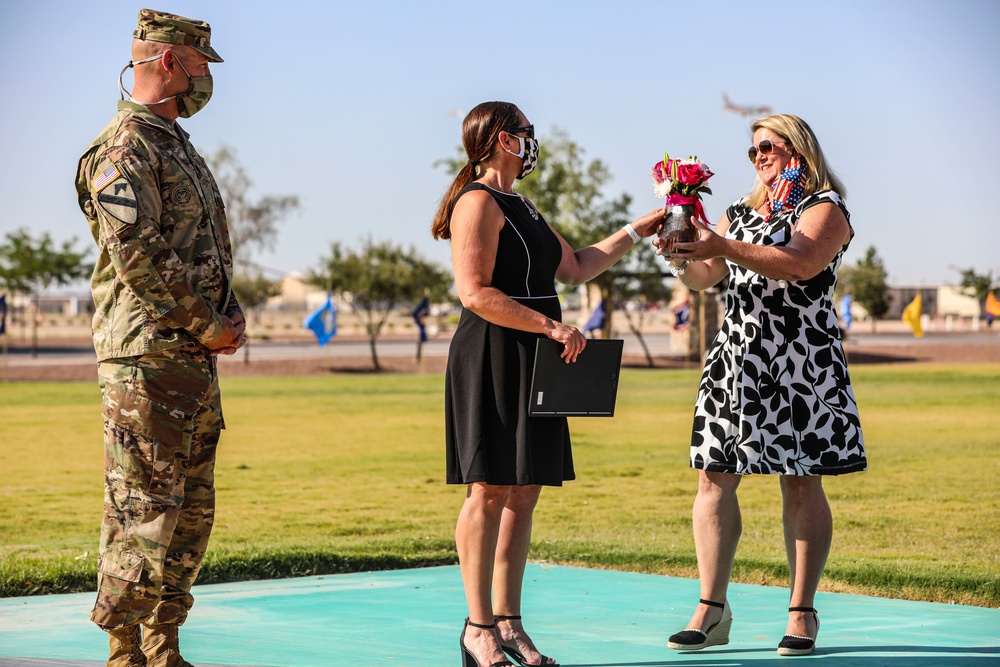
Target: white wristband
{"points": [[631, 232]]}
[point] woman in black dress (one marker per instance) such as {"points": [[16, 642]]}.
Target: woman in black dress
{"points": [[506, 258]]}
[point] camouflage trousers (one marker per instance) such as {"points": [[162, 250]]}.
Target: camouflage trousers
{"points": [[162, 421]]}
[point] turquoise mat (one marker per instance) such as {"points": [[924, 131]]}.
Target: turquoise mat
{"points": [[585, 618]]}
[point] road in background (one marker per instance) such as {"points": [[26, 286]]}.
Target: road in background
{"points": [[659, 344]]}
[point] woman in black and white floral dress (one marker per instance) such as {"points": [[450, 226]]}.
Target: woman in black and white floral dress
{"points": [[775, 396]]}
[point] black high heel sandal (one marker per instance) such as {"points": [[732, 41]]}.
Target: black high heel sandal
{"points": [[468, 659], [795, 644], [694, 639], [514, 653]]}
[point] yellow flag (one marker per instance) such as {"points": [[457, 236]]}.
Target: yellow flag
{"points": [[911, 315], [992, 305]]}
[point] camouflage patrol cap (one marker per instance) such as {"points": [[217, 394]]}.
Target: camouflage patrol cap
{"points": [[157, 26]]}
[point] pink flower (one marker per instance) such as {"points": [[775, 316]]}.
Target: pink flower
{"points": [[680, 177], [691, 174], [660, 174]]}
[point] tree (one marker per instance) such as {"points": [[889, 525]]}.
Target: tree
{"points": [[30, 266], [637, 278], [253, 289], [253, 223], [867, 282], [378, 280], [568, 192], [978, 286], [634, 283], [253, 227]]}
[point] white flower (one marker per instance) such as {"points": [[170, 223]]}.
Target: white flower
{"points": [[663, 189]]}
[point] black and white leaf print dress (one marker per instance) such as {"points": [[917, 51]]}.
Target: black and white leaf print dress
{"points": [[775, 396]]}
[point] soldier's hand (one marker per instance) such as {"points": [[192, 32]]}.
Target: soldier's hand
{"points": [[232, 338], [241, 339], [239, 322]]}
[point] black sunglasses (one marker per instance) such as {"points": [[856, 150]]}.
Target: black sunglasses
{"points": [[530, 129], [765, 147]]}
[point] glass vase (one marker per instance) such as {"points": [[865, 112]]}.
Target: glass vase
{"points": [[677, 227]]}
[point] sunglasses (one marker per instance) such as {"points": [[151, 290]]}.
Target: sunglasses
{"points": [[764, 147], [530, 129]]}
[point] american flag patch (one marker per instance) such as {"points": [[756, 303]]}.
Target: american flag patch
{"points": [[106, 177]]}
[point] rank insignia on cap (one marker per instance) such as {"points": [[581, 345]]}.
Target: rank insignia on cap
{"points": [[117, 198], [106, 177]]}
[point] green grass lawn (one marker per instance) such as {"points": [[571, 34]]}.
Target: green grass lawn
{"points": [[345, 473]]}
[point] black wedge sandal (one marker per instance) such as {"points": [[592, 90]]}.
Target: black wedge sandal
{"points": [[795, 644], [514, 653], [470, 660], [695, 639]]}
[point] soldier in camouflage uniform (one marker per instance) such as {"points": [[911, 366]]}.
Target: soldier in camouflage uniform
{"points": [[164, 309]]}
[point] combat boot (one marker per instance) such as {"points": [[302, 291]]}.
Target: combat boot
{"points": [[161, 647], [126, 647]]}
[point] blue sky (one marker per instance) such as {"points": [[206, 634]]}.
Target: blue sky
{"points": [[349, 104]]}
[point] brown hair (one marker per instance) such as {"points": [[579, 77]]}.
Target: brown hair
{"points": [[480, 130], [797, 133]]}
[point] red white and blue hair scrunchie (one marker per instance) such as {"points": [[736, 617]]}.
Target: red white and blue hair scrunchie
{"points": [[788, 190]]}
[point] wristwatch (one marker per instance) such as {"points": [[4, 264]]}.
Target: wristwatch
{"points": [[678, 271]]}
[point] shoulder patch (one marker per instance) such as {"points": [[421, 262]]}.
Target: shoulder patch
{"points": [[117, 198], [105, 178]]}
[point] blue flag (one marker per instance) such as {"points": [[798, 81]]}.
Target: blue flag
{"points": [[596, 320], [422, 310], [323, 321], [845, 310], [3, 314], [682, 316]]}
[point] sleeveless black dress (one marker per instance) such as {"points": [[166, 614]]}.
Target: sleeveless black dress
{"points": [[489, 436]]}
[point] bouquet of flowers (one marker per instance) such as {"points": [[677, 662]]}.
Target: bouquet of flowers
{"points": [[680, 183]]}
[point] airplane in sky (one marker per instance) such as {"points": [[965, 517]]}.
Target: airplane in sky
{"points": [[744, 110]]}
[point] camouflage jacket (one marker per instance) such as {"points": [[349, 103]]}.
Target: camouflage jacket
{"points": [[163, 277]]}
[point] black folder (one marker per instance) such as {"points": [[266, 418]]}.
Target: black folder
{"points": [[586, 387]]}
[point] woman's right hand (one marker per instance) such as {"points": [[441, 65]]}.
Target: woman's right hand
{"points": [[570, 337], [649, 224]]}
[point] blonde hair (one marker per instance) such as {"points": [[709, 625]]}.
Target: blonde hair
{"points": [[797, 133]]}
